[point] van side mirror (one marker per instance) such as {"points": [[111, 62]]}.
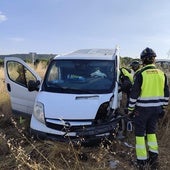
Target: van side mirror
{"points": [[33, 85]]}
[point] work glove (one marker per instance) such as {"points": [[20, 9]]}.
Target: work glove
{"points": [[161, 114], [131, 114], [164, 108]]}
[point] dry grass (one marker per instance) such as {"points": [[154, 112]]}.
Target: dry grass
{"points": [[18, 151]]}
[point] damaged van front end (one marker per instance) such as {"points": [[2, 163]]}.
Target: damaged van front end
{"points": [[79, 117], [79, 97]]}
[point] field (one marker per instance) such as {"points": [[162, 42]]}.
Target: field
{"points": [[19, 151]]}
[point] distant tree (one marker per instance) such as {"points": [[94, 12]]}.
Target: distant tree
{"points": [[125, 61]]}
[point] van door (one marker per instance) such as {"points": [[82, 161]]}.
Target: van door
{"points": [[17, 75]]}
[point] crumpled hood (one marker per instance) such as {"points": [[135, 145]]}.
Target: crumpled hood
{"points": [[71, 106]]}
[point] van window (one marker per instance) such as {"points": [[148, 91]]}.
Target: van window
{"points": [[19, 73], [80, 76]]}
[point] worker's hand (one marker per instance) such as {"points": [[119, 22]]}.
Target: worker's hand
{"points": [[164, 108], [131, 113], [161, 115]]}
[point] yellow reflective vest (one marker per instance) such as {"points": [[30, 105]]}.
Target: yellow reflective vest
{"points": [[150, 88], [125, 72]]}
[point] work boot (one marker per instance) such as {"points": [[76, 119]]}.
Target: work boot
{"points": [[153, 160], [142, 164]]}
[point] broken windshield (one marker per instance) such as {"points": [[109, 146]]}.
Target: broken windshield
{"points": [[80, 76]]}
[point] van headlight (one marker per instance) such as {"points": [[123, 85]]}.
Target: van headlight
{"points": [[39, 112]]}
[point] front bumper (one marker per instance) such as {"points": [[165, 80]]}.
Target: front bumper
{"points": [[90, 133]]}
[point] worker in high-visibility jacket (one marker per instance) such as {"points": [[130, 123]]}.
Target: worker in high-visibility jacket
{"points": [[135, 66], [125, 82], [148, 98]]}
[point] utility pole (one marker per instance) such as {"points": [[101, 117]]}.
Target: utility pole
{"points": [[32, 54], [33, 58]]}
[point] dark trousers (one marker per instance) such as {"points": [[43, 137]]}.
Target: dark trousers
{"points": [[145, 120]]}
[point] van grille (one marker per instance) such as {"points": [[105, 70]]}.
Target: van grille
{"points": [[67, 126]]}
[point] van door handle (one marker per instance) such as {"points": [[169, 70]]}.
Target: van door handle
{"points": [[8, 87]]}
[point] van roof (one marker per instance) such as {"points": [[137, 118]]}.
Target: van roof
{"points": [[95, 54]]}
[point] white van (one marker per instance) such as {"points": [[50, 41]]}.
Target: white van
{"points": [[77, 99]]}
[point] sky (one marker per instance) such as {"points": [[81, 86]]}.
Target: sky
{"points": [[63, 26]]}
